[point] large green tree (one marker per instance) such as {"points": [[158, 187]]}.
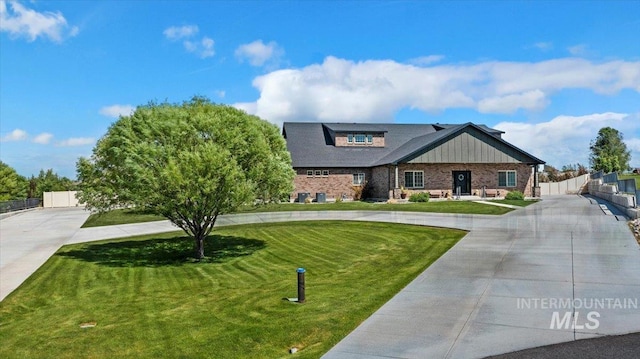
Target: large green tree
{"points": [[188, 162], [12, 185], [608, 152]]}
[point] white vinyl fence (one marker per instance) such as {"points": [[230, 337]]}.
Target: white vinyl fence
{"points": [[570, 186], [60, 199]]}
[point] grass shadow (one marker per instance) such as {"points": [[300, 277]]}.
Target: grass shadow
{"points": [[163, 251]]}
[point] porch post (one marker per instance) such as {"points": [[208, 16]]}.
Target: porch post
{"points": [[396, 177], [536, 185]]}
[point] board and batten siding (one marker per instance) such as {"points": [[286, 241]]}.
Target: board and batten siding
{"points": [[470, 148]]}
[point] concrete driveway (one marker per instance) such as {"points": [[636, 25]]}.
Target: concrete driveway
{"points": [[556, 271], [28, 239], [552, 272]]}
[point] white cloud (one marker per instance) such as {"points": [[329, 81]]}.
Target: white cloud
{"points": [[374, 90], [203, 47], [633, 144], [248, 107], [20, 21], [577, 50], [15, 135], [116, 111], [426, 60], [43, 138], [564, 139], [174, 33], [543, 46], [220, 93], [257, 53], [76, 141], [530, 100]]}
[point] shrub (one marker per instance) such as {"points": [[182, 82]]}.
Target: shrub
{"points": [[419, 197], [359, 191], [514, 195]]}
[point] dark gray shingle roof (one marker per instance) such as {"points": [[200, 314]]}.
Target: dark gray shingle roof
{"points": [[311, 145]]}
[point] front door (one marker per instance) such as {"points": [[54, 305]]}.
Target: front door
{"points": [[462, 179]]}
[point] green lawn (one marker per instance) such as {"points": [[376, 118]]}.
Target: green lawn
{"points": [[149, 302], [516, 202], [122, 216]]}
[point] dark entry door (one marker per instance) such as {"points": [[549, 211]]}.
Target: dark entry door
{"points": [[462, 179]]}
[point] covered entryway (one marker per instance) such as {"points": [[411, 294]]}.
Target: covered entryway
{"points": [[462, 179]]}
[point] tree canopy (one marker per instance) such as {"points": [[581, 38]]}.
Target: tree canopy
{"points": [[12, 185], [188, 162], [608, 152]]}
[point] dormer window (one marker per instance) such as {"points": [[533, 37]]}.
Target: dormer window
{"points": [[360, 138]]}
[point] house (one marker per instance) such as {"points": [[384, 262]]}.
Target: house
{"points": [[334, 158]]}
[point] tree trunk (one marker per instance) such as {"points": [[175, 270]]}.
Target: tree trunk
{"points": [[199, 247]]}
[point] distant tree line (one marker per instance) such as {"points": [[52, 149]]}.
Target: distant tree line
{"points": [[552, 174], [14, 186]]}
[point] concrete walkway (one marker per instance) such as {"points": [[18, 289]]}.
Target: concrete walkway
{"points": [[494, 292]]}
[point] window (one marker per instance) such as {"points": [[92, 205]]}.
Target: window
{"points": [[358, 179], [414, 179], [506, 178], [317, 173], [360, 138]]}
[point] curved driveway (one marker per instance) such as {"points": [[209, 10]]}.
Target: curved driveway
{"points": [[496, 291]]}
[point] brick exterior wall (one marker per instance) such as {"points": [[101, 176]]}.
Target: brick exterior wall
{"points": [[341, 140], [438, 177], [339, 182]]}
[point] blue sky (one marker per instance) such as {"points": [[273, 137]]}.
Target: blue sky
{"points": [[549, 74]]}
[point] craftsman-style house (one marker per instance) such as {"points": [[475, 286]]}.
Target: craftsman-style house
{"points": [[444, 160]]}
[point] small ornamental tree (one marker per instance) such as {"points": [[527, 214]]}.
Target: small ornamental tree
{"points": [[188, 162]]}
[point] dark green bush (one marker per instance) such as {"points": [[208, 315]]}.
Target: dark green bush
{"points": [[419, 197], [514, 195]]}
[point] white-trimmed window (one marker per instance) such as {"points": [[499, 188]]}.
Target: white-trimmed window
{"points": [[318, 173], [309, 173], [358, 179], [507, 178], [360, 138], [325, 173], [414, 179]]}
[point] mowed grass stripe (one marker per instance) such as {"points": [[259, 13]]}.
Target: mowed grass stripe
{"points": [[150, 300]]}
